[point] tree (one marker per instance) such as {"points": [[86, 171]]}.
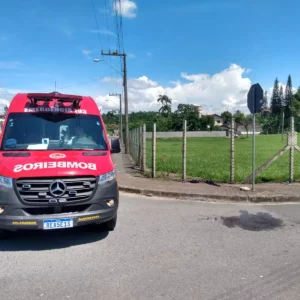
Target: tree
{"points": [[187, 112], [265, 102], [207, 123], [246, 121], [226, 116], [269, 123], [276, 104], [281, 96], [288, 97], [166, 105], [295, 107], [243, 120], [238, 117], [265, 107]]}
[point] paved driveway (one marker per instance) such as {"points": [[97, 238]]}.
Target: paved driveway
{"points": [[161, 249]]}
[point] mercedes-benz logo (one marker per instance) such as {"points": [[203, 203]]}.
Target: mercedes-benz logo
{"points": [[57, 188]]}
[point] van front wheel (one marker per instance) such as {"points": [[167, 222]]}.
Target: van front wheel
{"points": [[110, 225]]}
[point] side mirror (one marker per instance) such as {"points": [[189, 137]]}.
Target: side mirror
{"points": [[115, 145]]}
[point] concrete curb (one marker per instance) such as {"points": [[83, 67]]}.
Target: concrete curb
{"points": [[257, 198]]}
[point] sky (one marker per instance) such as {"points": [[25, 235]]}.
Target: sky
{"points": [[202, 52]]}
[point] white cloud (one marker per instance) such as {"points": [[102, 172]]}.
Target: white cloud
{"points": [[108, 102], [5, 97], [103, 31], [86, 52], [67, 31], [10, 64], [149, 54], [130, 55], [226, 90], [127, 8]]}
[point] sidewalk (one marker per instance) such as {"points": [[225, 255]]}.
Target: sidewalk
{"points": [[130, 180]]}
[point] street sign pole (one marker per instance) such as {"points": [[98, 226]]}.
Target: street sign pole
{"points": [[255, 100], [253, 154]]}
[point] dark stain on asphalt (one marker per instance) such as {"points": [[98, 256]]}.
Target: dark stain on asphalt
{"points": [[254, 222]]}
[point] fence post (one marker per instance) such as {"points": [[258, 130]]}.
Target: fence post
{"points": [[144, 149], [136, 144], [154, 151], [292, 150], [232, 151], [141, 148], [129, 136], [184, 151]]}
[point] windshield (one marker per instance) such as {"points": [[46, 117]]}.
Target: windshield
{"points": [[53, 132]]}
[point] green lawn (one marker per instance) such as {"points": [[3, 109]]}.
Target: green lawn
{"points": [[209, 158]]}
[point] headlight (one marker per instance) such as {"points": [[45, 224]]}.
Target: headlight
{"points": [[107, 177], [5, 181]]}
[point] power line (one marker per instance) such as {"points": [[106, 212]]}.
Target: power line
{"points": [[119, 28], [105, 2], [121, 25], [107, 26], [99, 37], [67, 87]]}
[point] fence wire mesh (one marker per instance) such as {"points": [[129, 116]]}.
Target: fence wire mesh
{"points": [[208, 155], [266, 146], [135, 144]]}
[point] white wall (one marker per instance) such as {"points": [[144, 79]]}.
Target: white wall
{"points": [[175, 134]]}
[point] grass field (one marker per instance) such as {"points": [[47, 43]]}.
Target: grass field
{"points": [[209, 158]]}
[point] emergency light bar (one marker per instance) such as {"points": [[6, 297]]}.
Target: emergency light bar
{"points": [[36, 97]]}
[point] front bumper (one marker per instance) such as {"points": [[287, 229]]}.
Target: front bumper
{"points": [[36, 222], [19, 215]]}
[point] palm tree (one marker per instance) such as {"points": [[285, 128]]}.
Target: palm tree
{"points": [[166, 103]]}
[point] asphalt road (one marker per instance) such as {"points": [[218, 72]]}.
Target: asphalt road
{"points": [[161, 249]]}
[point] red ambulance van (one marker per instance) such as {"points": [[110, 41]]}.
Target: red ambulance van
{"points": [[56, 169]]}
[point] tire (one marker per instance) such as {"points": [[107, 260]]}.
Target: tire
{"points": [[3, 234], [110, 225]]}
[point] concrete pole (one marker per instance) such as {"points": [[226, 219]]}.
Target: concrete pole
{"points": [[126, 106], [232, 151], [292, 150], [141, 148]]}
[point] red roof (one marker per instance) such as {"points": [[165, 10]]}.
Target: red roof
{"points": [[53, 102]]}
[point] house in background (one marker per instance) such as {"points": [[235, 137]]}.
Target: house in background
{"points": [[199, 108], [218, 119], [2, 118]]}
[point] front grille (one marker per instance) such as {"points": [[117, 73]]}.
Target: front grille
{"points": [[52, 210], [37, 190]]}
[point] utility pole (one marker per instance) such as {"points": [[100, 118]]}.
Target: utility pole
{"points": [[120, 121], [123, 55]]}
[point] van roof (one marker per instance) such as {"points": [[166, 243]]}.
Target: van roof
{"points": [[48, 102]]}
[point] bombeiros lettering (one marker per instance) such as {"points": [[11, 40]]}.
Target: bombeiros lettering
{"points": [[55, 164]]}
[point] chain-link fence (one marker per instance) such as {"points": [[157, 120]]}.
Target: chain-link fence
{"points": [[219, 156], [135, 144]]}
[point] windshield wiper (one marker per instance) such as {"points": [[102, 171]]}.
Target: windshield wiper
{"points": [[71, 149]]}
